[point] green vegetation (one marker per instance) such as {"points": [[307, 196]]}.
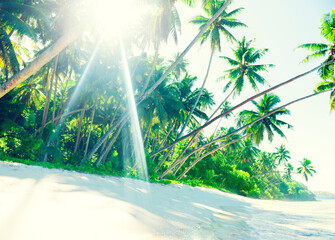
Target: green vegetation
{"points": [[64, 105]]}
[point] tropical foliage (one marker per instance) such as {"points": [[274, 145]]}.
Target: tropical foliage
{"points": [[63, 100]]}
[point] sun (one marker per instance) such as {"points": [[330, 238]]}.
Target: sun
{"points": [[113, 17]]}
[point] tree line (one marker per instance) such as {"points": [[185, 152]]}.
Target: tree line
{"points": [[63, 100]]}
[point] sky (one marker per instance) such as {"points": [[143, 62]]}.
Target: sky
{"points": [[280, 26]]}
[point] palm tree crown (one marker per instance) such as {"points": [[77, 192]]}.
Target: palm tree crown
{"points": [[325, 50], [220, 25], [306, 169], [269, 124], [245, 66]]}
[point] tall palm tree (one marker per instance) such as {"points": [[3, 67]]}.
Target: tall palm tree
{"points": [[326, 51], [282, 155], [248, 152], [306, 169], [269, 124], [288, 170]]}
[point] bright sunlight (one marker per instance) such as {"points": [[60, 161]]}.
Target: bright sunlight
{"points": [[115, 17]]}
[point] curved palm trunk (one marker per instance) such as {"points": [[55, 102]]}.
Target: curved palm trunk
{"points": [[208, 153], [241, 104], [79, 129], [199, 94], [146, 84], [190, 113], [39, 62]]}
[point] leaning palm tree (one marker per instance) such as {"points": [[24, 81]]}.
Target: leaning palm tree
{"points": [[288, 170], [306, 169], [282, 155], [327, 51], [269, 124]]}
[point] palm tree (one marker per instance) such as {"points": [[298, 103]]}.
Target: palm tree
{"points": [[327, 51], [269, 124], [282, 155], [248, 151], [288, 170], [306, 169], [245, 67]]}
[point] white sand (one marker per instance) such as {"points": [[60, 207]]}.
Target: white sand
{"points": [[38, 203]]}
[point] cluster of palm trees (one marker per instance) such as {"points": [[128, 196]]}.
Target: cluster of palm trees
{"points": [[62, 97]]}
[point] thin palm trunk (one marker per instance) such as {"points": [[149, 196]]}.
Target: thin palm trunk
{"points": [[48, 98], [160, 80], [153, 65], [240, 105], [63, 94], [147, 133], [55, 96], [39, 62], [90, 129], [199, 94], [82, 114]]}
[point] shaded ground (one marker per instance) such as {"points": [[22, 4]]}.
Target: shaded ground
{"points": [[38, 203]]}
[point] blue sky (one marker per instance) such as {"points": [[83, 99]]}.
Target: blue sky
{"points": [[279, 26]]}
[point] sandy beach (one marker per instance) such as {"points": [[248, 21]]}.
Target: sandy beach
{"points": [[39, 203]]}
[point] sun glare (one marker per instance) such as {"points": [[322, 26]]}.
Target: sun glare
{"points": [[114, 17]]}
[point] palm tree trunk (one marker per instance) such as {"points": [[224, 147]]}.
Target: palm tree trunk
{"points": [[48, 98], [55, 95], [79, 129], [146, 84], [240, 105], [90, 130], [39, 62], [208, 153], [63, 94], [147, 133]]}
